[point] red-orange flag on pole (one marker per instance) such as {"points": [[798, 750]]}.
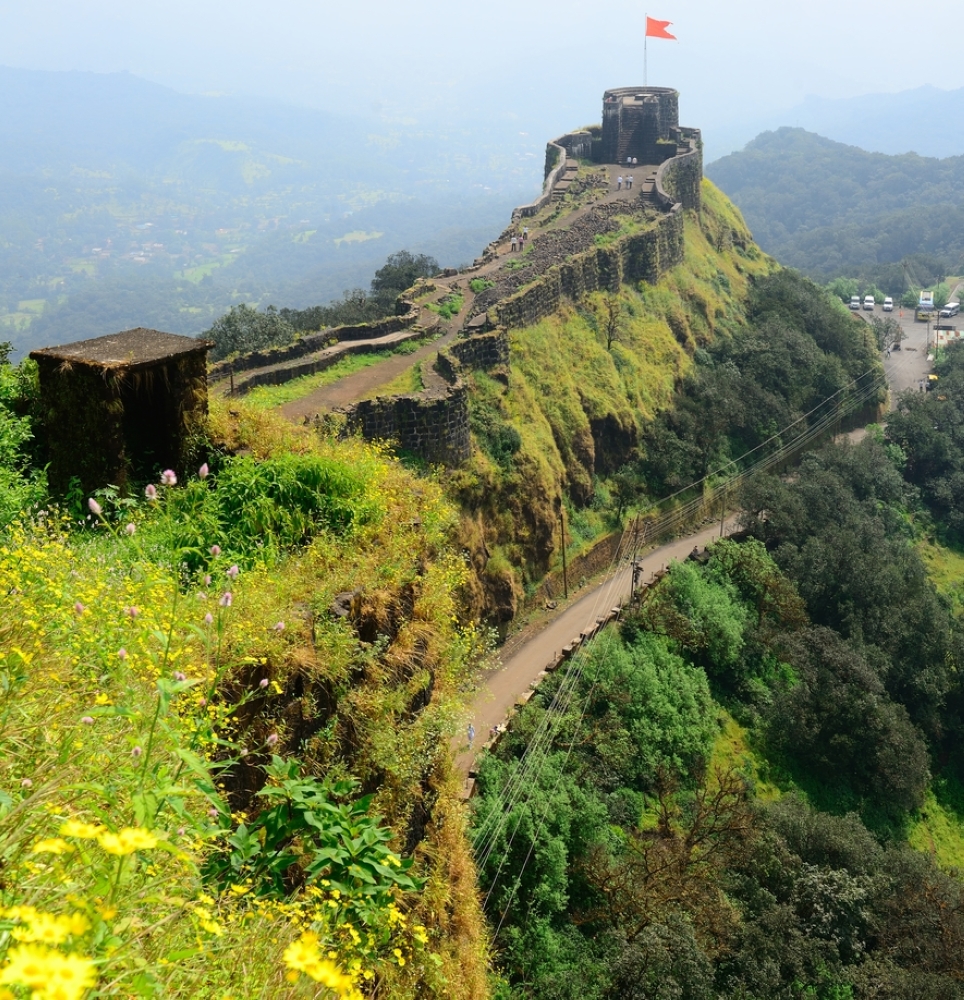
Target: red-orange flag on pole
{"points": [[657, 29]]}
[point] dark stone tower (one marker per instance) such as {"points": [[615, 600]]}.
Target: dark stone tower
{"points": [[641, 122]]}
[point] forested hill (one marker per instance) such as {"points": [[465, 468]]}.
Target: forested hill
{"points": [[828, 208]]}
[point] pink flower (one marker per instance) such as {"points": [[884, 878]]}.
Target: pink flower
{"points": [[213, 813], [209, 619], [272, 739], [79, 608], [215, 550], [233, 572], [130, 529], [95, 507], [136, 752], [178, 676], [226, 599], [168, 478], [150, 491], [279, 626], [122, 654], [87, 720], [26, 783], [207, 580], [263, 683], [132, 612], [203, 471], [201, 596]]}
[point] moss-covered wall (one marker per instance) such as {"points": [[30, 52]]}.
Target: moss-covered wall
{"points": [[107, 425]]}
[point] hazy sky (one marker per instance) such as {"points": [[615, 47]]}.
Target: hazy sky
{"points": [[540, 63]]}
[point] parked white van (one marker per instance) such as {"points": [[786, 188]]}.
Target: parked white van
{"points": [[868, 302], [888, 305], [854, 301], [951, 309]]}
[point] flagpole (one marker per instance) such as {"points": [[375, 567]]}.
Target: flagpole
{"points": [[644, 47]]}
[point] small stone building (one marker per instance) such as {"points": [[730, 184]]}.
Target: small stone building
{"points": [[121, 407]]}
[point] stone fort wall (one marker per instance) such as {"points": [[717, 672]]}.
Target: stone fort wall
{"points": [[637, 121], [433, 424]]}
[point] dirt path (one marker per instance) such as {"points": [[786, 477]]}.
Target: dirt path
{"points": [[362, 383]]}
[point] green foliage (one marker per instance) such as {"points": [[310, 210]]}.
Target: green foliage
{"points": [[480, 285], [255, 511], [844, 288], [926, 427], [243, 329], [798, 350], [449, 306], [22, 485], [310, 831]]}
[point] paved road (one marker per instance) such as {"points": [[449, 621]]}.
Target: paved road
{"points": [[522, 662]]}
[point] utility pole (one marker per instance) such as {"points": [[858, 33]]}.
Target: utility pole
{"points": [[565, 570]]}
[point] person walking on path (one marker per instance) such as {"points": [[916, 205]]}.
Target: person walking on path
{"points": [[470, 732], [619, 183], [629, 182], [512, 244]]}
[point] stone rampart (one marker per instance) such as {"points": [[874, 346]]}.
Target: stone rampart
{"points": [[285, 373], [405, 318], [434, 427], [679, 179], [435, 423], [635, 257]]}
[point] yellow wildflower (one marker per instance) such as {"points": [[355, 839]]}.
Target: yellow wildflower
{"points": [[52, 975], [46, 928], [80, 830], [127, 840], [52, 845]]}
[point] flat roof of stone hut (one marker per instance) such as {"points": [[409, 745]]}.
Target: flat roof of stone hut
{"points": [[138, 348]]}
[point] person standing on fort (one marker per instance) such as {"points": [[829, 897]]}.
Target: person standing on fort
{"points": [[619, 183], [634, 161], [525, 234], [512, 244], [629, 182]]}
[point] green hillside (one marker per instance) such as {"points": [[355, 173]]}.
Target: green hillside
{"points": [[831, 209]]}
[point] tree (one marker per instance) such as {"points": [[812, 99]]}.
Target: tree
{"points": [[612, 310], [843, 288], [243, 329], [399, 272]]}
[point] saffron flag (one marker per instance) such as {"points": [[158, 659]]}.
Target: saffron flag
{"points": [[657, 29]]}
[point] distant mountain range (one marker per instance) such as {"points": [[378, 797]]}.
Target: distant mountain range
{"points": [[832, 209], [925, 120], [125, 203]]}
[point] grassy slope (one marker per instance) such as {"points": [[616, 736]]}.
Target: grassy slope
{"points": [[564, 384], [81, 674]]}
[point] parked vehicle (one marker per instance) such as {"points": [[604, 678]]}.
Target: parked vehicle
{"points": [[951, 309], [925, 310], [888, 305], [854, 301], [868, 302]]}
